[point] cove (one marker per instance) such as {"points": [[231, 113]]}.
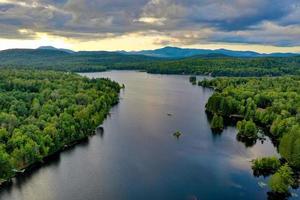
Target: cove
{"points": [[137, 157]]}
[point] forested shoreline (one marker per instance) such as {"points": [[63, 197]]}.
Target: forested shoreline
{"points": [[267, 102], [43, 111], [226, 66], [214, 65]]}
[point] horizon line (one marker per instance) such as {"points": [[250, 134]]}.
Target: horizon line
{"points": [[150, 49]]}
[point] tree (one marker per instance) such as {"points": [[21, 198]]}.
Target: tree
{"points": [[193, 80], [289, 146], [35, 107], [265, 166], [217, 122], [8, 121], [214, 102], [247, 129], [42, 111], [250, 109], [4, 136], [282, 180], [5, 165], [25, 151]]}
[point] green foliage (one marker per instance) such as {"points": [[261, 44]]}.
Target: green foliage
{"points": [[247, 129], [42, 111], [289, 146], [265, 166], [273, 103], [217, 122], [5, 164], [282, 180], [268, 102], [223, 105], [228, 66], [63, 61], [193, 80], [101, 61]]}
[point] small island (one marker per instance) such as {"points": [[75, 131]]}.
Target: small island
{"points": [[177, 134], [193, 80]]}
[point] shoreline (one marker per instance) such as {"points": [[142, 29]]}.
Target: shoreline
{"points": [[47, 159]]}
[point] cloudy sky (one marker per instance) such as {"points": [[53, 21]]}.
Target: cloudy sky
{"points": [[260, 25]]}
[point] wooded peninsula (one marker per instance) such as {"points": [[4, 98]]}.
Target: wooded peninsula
{"points": [[268, 103], [41, 112]]}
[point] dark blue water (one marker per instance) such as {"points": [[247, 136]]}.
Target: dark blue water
{"points": [[137, 158]]}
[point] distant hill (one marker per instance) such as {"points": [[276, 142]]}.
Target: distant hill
{"points": [[210, 55], [57, 59], [168, 60], [176, 52], [53, 48], [26, 55]]}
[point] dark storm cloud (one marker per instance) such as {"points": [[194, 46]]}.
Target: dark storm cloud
{"points": [[273, 22], [238, 14], [5, 7]]}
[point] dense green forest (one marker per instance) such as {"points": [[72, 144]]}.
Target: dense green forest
{"points": [[269, 103], [227, 66], [101, 61], [42, 111], [63, 61]]}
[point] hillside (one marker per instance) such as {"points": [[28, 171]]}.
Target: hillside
{"points": [[215, 64], [61, 60], [175, 52]]}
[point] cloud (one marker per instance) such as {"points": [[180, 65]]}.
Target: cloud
{"points": [[266, 33], [272, 22], [151, 20]]}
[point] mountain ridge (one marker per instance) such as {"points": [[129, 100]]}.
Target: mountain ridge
{"points": [[177, 52], [167, 52]]}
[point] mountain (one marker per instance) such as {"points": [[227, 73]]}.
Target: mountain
{"points": [[53, 48], [176, 52], [173, 52], [57, 59], [167, 60], [16, 54]]}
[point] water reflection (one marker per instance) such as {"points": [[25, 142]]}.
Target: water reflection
{"points": [[100, 131], [139, 158]]}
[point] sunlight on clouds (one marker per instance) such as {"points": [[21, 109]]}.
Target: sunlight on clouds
{"points": [[25, 31], [152, 20], [56, 41], [129, 42], [20, 3], [32, 5], [137, 41], [135, 25], [247, 47], [132, 41], [38, 39]]}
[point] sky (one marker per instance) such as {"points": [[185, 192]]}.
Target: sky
{"points": [[257, 25]]}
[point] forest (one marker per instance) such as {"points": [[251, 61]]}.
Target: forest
{"points": [[43, 111], [214, 65], [270, 104], [228, 66]]}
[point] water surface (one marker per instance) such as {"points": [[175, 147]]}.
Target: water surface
{"points": [[137, 157]]}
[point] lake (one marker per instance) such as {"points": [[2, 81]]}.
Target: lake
{"points": [[138, 158]]}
